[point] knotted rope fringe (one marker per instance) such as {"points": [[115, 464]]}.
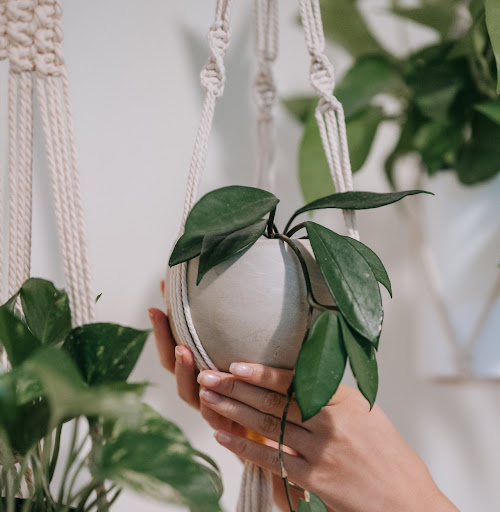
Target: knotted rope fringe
{"points": [[31, 38]]}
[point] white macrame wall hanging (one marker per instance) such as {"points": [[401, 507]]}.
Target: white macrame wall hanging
{"points": [[256, 490], [31, 40]]}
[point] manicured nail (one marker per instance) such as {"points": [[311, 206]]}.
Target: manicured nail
{"points": [[151, 316], [241, 369], [179, 357], [210, 396], [208, 379], [223, 438]]}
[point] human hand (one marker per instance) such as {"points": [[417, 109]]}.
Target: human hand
{"points": [[353, 458]]}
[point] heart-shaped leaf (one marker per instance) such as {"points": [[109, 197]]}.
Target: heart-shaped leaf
{"points": [[362, 361], [350, 280], [46, 310], [219, 248], [320, 365], [220, 212], [17, 339], [374, 261], [356, 200], [105, 353]]}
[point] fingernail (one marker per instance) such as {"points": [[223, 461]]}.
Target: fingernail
{"points": [[209, 379], [179, 357], [151, 316], [241, 369], [223, 438], [210, 396]]}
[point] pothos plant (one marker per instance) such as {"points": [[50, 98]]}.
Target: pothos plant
{"points": [[73, 432], [448, 107], [227, 222]]}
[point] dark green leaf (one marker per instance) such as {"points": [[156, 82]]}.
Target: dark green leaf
{"points": [[46, 310], [149, 463], [17, 339], [301, 107], [361, 130], [374, 261], [320, 365], [437, 14], [314, 173], [357, 200], [220, 212], [436, 104], [362, 360], [314, 505], [219, 248], [479, 159], [492, 10], [490, 109], [350, 280], [344, 24], [105, 353], [369, 76]]}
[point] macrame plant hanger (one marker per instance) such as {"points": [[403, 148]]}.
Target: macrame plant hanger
{"points": [[256, 490]]}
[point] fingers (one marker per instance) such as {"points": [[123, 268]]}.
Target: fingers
{"points": [[274, 379], [164, 340], [266, 401], [264, 456], [265, 424], [185, 375]]}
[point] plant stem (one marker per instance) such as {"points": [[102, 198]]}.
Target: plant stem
{"points": [[291, 232], [55, 453], [77, 471], [72, 454], [270, 223]]}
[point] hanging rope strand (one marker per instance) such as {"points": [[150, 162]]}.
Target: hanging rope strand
{"points": [[329, 112]]}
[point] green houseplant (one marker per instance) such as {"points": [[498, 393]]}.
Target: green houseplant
{"points": [[73, 381], [447, 93], [226, 224]]}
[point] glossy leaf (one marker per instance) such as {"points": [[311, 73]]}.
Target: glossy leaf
{"points": [[350, 280], [105, 353], [219, 212], [368, 77], [492, 11], [301, 107], [314, 173], [46, 310], [17, 339], [357, 200], [314, 505], [490, 109], [362, 361], [320, 365], [186, 248], [219, 248], [68, 395], [151, 464], [479, 159], [344, 24], [374, 261]]}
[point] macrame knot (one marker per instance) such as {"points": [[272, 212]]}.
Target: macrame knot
{"points": [[3, 29], [213, 75], [265, 90], [34, 30], [322, 75]]}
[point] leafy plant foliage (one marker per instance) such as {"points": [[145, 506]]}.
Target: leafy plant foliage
{"points": [[348, 331], [449, 108], [63, 376]]}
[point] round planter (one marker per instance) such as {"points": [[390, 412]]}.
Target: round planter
{"points": [[253, 308]]}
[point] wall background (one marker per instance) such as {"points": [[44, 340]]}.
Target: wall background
{"points": [[133, 67]]}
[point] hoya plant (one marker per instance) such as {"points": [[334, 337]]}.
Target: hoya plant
{"points": [[73, 431], [227, 222], [448, 107]]}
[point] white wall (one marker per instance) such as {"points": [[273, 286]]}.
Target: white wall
{"points": [[134, 65]]}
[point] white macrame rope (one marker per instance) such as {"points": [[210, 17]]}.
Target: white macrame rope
{"points": [[266, 51], [329, 112]]}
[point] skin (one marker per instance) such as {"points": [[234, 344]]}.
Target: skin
{"points": [[354, 459]]}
